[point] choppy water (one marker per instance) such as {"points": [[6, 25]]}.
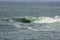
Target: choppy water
{"points": [[29, 21]]}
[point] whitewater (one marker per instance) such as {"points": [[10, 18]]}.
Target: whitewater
{"points": [[49, 22], [29, 20]]}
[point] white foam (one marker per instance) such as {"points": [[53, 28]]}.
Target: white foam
{"points": [[41, 19], [48, 26], [29, 27], [57, 17], [17, 25], [33, 29], [49, 20], [11, 20]]}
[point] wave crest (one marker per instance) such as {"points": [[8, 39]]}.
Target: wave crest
{"points": [[34, 19]]}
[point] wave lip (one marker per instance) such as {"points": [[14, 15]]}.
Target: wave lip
{"points": [[28, 19], [25, 19]]}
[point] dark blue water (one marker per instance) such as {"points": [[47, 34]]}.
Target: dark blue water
{"points": [[46, 25]]}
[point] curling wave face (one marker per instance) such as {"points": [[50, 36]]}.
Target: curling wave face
{"points": [[33, 19]]}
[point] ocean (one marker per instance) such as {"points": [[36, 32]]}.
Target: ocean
{"points": [[29, 20]]}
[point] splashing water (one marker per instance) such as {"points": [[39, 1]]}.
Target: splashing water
{"points": [[48, 22], [34, 19]]}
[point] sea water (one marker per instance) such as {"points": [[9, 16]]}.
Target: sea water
{"points": [[44, 20]]}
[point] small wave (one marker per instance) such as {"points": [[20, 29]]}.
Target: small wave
{"points": [[34, 19]]}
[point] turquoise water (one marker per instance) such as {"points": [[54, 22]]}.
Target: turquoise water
{"points": [[29, 21]]}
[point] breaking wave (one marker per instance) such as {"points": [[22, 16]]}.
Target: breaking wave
{"points": [[33, 23], [33, 19]]}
